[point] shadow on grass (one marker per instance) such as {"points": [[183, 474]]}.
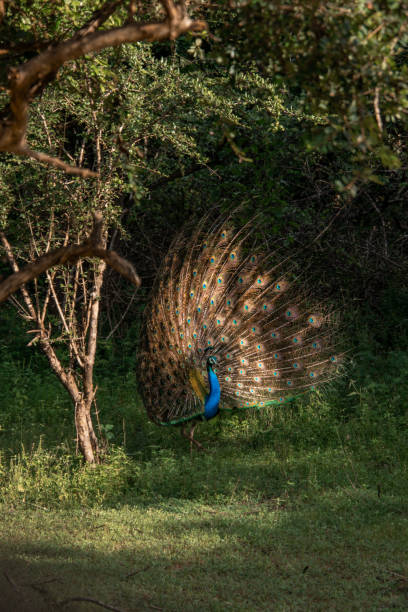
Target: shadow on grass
{"points": [[344, 549]]}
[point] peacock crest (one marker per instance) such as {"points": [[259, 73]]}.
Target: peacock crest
{"points": [[227, 319]]}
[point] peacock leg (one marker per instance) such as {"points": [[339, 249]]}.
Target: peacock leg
{"points": [[190, 436]]}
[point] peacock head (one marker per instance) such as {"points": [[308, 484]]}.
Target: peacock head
{"points": [[211, 361]]}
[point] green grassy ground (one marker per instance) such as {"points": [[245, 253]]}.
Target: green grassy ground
{"points": [[300, 508], [305, 545]]}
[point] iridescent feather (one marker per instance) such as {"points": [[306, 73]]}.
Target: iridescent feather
{"points": [[215, 297]]}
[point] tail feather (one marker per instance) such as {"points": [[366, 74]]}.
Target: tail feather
{"points": [[215, 295]]}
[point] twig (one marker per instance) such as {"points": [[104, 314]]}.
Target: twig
{"points": [[11, 581], [28, 80], [112, 331], [91, 600], [64, 255], [377, 109], [144, 569]]}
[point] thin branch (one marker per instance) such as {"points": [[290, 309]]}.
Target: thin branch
{"points": [[14, 267], [28, 80], [90, 600], [63, 255], [112, 331], [62, 318], [54, 161], [377, 109], [98, 18]]}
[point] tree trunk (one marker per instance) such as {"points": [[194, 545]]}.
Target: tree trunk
{"points": [[87, 440], [86, 437]]}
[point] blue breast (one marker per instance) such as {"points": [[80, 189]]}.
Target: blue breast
{"points": [[212, 400]]}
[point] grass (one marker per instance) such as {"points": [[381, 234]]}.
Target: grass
{"points": [[299, 508], [255, 529], [341, 549]]}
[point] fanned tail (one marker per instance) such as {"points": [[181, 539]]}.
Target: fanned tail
{"points": [[216, 296]]}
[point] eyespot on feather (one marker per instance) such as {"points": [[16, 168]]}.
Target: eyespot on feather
{"points": [[280, 286], [314, 320], [317, 344], [291, 313], [248, 307]]}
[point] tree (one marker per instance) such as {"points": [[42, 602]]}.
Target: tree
{"points": [[62, 309], [344, 62], [28, 80]]}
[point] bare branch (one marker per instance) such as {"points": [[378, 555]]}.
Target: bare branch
{"points": [[98, 18], [56, 162], [377, 109], [90, 600], [29, 80], [64, 255]]}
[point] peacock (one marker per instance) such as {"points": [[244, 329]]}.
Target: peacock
{"points": [[229, 328]]}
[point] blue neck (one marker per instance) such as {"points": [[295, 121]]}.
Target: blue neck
{"points": [[212, 400]]}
